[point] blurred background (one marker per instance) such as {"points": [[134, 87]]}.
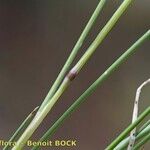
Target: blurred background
{"points": [[36, 38]]}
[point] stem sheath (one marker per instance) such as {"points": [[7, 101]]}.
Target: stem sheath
{"points": [[93, 87], [44, 111], [74, 52]]}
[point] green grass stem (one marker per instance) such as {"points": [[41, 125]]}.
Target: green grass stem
{"points": [[74, 53], [93, 87], [128, 130], [21, 128], [144, 126], [143, 131], [142, 142], [42, 113], [103, 33]]}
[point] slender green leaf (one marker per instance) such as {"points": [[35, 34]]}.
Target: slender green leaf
{"points": [[74, 52], [93, 87], [128, 130], [21, 128], [142, 142]]}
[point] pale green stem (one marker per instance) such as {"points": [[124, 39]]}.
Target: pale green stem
{"points": [[142, 142], [21, 128], [42, 113], [93, 87], [74, 52], [128, 130], [103, 33], [39, 117], [144, 130], [144, 126]]}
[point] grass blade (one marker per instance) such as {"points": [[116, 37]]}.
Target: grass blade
{"points": [[21, 128], [143, 131], [128, 130], [103, 33], [142, 142], [42, 114], [74, 52], [93, 87]]}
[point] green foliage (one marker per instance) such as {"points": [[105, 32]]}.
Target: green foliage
{"points": [[63, 80]]}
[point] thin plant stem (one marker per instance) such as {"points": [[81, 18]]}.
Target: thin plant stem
{"points": [[39, 117], [142, 133], [52, 95], [21, 128], [74, 52], [72, 74], [128, 129], [110, 24], [144, 126], [97, 83], [135, 113], [103, 33], [142, 142]]}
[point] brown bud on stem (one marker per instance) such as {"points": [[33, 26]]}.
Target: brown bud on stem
{"points": [[72, 74]]}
